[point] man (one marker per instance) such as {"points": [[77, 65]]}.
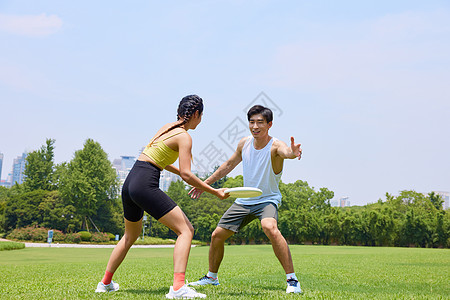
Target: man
{"points": [[262, 157]]}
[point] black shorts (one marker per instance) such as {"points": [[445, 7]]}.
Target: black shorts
{"points": [[141, 193]]}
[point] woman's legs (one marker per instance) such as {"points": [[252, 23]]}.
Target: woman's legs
{"points": [[177, 221], [132, 232]]}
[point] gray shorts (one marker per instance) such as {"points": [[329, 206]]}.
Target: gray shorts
{"points": [[237, 216]]}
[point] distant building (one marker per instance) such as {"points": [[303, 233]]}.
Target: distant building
{"points": [[123, 166], [18, 169], [166, 179], [5, 183], [1, 164], [446, 197], [344, 202], [8, 181]]}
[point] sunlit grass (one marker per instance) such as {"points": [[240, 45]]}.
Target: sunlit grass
{"points": [[247, 272]]}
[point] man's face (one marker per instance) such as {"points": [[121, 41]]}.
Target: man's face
{"points": [[258, 126]]}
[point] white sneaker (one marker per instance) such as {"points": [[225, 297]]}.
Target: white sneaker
{"points": [[185, 293], [204, 281], [293, 286], [112, 287]]}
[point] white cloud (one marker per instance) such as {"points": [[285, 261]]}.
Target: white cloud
{"points": [[30, 25]]}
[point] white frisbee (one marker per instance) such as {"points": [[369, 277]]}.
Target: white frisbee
{"points": [[244, 192]]}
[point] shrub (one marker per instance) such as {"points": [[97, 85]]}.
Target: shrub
{"points": [[73, 238], [19, 234], [11, 246], [34, 234], [85, 236], [58, 236], [149, 240], [99, 237], [112, 237]]}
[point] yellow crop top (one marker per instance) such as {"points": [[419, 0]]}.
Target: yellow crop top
{"points": [[160, 153]]}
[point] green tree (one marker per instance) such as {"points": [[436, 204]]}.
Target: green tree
{"points": [[88, 181], [332, 226], [442, 234], [302, 214], [109, 216], [39, 168], [436, 200], [39, 208], [178, 192], [350, 231], [234, 182], [205, 225], [3, 200], [419, 221], [54, 214], [20, 210]]}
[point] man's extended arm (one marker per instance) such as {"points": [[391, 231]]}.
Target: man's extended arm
{"points": [[292, 152]]}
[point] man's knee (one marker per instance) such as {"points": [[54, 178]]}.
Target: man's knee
{"points": [[270, 227], [220, 234]]}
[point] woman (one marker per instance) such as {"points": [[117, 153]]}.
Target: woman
{"points": [[141, 193]]}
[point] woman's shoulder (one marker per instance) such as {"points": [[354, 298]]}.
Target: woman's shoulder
{"points": [[167, 132]]}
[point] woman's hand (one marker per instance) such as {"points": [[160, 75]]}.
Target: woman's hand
{"points": [[195, 193], [221, 194]]}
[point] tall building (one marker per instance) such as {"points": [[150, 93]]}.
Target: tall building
{"points": [[343, 202], [1, 165], [166, 179], [123, 166], [334, 203], [3, 183], [446, 197], [18, 169]]}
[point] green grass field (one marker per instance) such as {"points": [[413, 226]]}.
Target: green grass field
{"points": [[247, 272]]}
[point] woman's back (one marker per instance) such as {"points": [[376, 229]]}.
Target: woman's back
{"points": [[163, 148]]}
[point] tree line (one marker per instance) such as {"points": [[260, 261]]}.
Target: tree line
{"points": [[83, 195], [79, 195]]}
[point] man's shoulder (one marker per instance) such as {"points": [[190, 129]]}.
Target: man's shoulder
{"points": [[276, 143], [244, 140]]}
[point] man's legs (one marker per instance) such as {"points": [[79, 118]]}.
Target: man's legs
{"points": [[216, 252], [279, 244], [217, 247], [282, 252]]}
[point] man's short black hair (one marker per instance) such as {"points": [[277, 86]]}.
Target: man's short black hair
{"points": [[259, 109]]}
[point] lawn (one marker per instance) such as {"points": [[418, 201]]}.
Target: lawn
{"points": [[247, 272]]}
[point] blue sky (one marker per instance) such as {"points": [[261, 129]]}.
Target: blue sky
{"points": [[362, 85]]}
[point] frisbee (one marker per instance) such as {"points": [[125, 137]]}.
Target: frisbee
{"points": [[244, 192]]}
